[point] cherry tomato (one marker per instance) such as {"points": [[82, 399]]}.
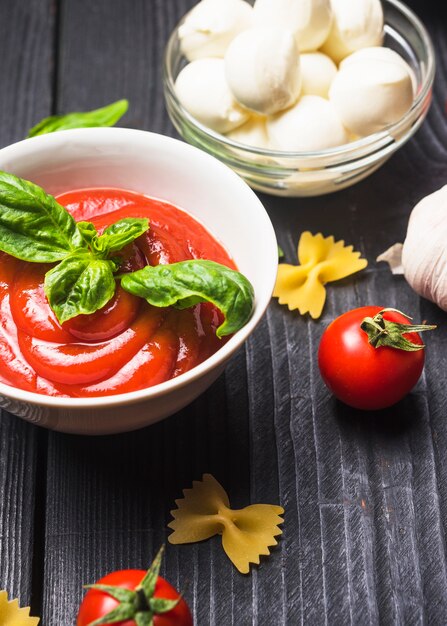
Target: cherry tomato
{"points": [[97, 604], [364, 376]]}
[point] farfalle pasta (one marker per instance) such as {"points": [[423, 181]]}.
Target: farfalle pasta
{"points": [[322, 260], [12, 615], [205, 511]]}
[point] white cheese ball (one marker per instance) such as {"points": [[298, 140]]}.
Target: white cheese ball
{"points": [[202, 89], [356, 24], [370, 94], [211, 25], [309, 20], [253, 133], [263, 70], [312, 124], [317, 73], [380, 53]]}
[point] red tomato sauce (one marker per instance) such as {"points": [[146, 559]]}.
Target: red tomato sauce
{"points": [[128, 344]]}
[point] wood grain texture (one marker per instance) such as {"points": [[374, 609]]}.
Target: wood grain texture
{"points": [[364, 535], [365, 495], [26, 48], [111, 50], [17, 487]]}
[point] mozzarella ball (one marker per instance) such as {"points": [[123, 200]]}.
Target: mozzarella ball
{"points": [[202, 89], [262, 69], [312, 124], [380, 53], [356, 24], [309, 20], [317, 73], [369, 95], [253, 133], [211, 25]]}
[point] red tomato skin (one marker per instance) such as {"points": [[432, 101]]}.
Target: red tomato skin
{"points": [[360, 375], [96, 603]]}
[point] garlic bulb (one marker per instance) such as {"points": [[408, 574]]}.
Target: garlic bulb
{"points": [[424, 252]]}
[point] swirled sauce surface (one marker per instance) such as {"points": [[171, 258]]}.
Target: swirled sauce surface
{"points": [[128, 344]]}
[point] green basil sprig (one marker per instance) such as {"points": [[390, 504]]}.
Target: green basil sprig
{"points": [[84, 281], [105, 116], [187, 283], [114, 237], [34, 227]]}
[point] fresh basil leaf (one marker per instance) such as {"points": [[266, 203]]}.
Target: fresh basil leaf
{"points": [[114, 237], [88, 232], [90, 236], [79, 285], [186, 283], [33, 225], [123, 232], [105, 116]]}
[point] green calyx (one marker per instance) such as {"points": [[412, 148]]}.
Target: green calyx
{"points": [[140, 604], [382, 332]]}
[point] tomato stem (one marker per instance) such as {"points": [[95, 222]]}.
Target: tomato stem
{"points": [[140, 605], [141, 601], [382, 332]]}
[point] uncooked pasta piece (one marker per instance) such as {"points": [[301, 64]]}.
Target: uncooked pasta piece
{"points": [[205, 511], [12, 615], [322, 260]]}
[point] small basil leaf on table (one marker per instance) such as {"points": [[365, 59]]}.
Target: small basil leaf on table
{"points": [[79, 285], [187, 283], [105, 116], [33, 225]]}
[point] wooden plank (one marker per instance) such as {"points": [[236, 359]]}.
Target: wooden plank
{"points": [[113, 50], [95, 521], [26, 47], [26, 44], [365, 495], [18, 449]]}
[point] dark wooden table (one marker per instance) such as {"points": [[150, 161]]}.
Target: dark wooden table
{"points": [[365, 495]]}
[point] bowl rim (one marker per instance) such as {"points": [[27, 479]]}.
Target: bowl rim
{"points": [[347, 151], [211, 363]]}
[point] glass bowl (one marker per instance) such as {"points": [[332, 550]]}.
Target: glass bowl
{"points": [[318, 172]]}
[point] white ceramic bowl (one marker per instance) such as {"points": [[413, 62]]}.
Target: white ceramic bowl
{"points": [[190, 179]]}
